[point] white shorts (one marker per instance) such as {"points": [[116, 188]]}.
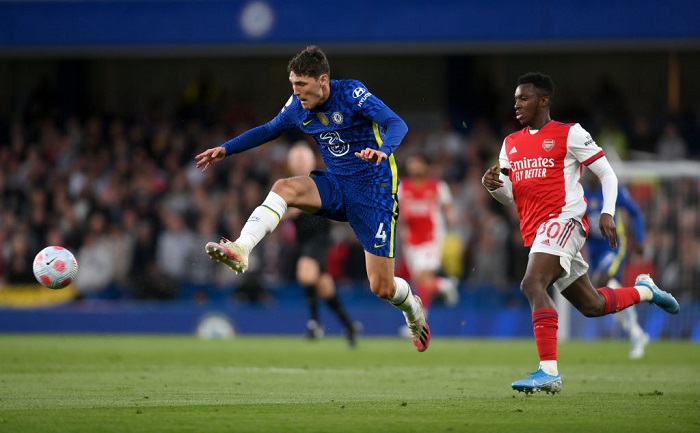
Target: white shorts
{"points": [[563, 238], [423, 257]]}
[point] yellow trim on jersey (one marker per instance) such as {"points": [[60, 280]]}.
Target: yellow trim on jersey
{"points": [[621, 249], [394, 188], [394, 174], [392, 160], [377, 135], [393, 227]]}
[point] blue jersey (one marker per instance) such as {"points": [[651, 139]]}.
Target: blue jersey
{"points": [[343, 125], [353, 190], [603, 258], [350, 120]]}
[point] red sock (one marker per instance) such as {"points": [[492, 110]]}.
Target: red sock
{"points": [[427, 292], [619, 299], [545, 323], [424, 295]]}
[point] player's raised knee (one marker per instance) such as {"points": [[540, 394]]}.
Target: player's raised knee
{"points": [[290, 189]]}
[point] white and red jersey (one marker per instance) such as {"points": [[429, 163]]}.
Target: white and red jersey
{"points": [[421, 209], [544, 168]]}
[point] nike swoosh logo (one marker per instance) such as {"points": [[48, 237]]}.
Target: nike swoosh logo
{"points": [[379, 246], [306, 123], [50, 261]]}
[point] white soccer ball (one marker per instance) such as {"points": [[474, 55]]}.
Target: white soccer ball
{"points": [[55, 267]]}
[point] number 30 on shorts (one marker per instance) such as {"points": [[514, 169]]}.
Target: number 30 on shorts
{"points": [[557, 230]]}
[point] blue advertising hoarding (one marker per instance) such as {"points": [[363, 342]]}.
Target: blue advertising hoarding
{"points": [[109, 24]]}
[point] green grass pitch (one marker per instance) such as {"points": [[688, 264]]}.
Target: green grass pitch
{"points": [[66, 383]]}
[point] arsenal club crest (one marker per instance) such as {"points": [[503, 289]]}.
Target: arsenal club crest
{"points": [[548, 144]]}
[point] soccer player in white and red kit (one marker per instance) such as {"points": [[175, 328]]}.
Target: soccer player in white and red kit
{"points": [[540, 167], [427, 213]]}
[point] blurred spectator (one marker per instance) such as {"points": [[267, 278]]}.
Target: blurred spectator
{"points": [[19, 256], [96, 266], [144, 278], [643, 138], [174, 248], [490, 252], [202, 269], [95, 258], [178, 198], [671, 145], [613, 140], [122, 239]]}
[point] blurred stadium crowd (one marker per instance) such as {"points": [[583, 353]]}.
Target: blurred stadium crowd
{"points": [[124, 195]]}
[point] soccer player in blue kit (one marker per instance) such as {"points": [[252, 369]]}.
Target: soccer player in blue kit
{"points": [[606, 263], [357, 135]]}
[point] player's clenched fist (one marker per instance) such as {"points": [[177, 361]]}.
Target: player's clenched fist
{"points": [[491, 179]]}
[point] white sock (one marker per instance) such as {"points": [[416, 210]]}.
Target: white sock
{"points": [[627, 319], [645, 293], [262, 221], [445, 285], [549, 367], [403, 299], [636, 331]]}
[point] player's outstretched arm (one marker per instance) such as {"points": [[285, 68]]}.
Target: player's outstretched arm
{"points": [[210, 156], [371, 155]]}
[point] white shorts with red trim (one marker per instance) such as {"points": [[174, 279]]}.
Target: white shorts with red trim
{"points": [[563, 238], [423, 257]]}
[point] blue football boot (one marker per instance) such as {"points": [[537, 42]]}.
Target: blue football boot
{"points": [[538, 381], [659, 298]]}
